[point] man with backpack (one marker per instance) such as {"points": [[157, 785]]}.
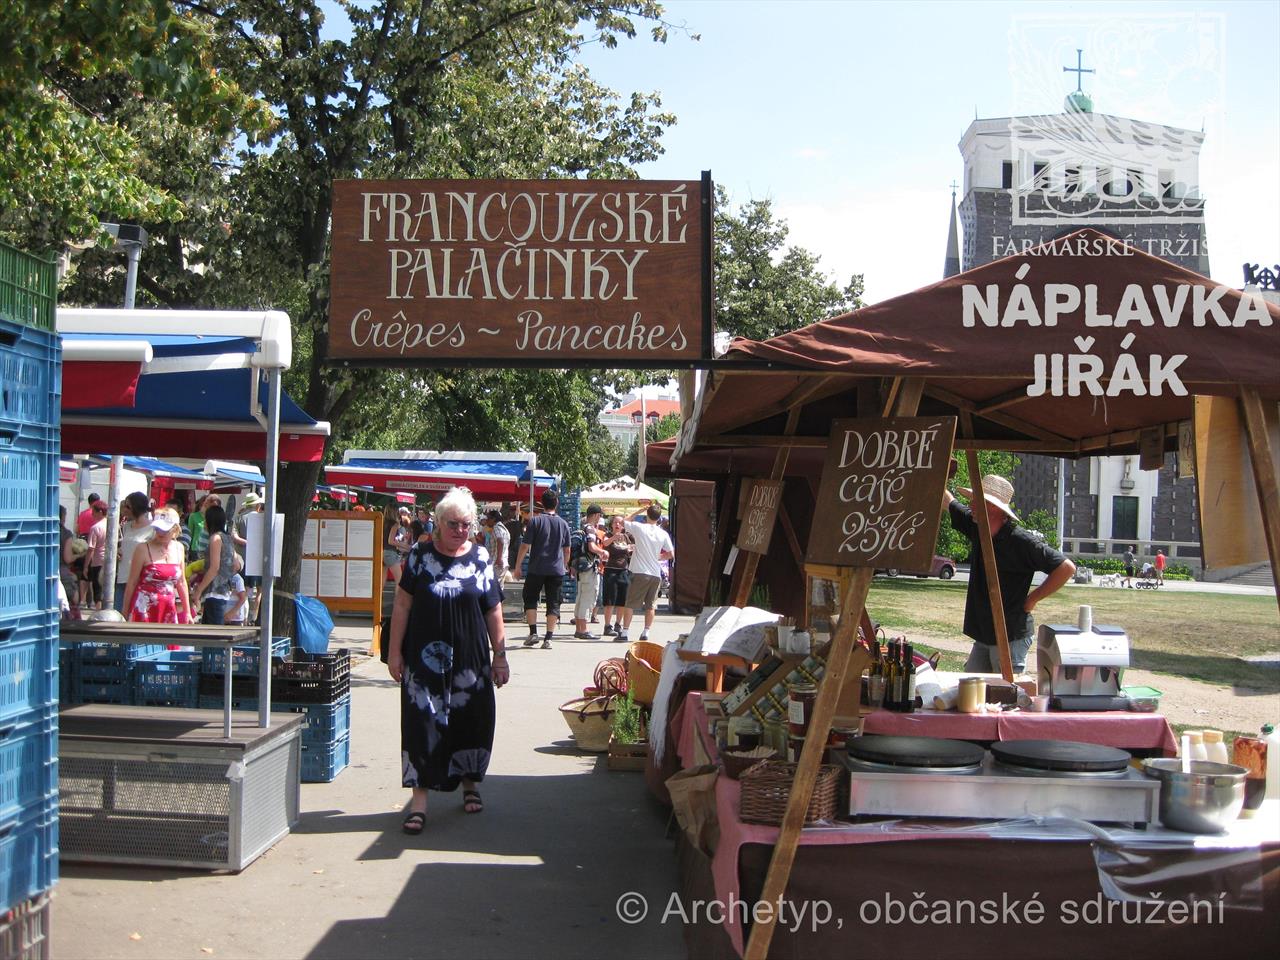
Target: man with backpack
{"points": [[585, 554]]}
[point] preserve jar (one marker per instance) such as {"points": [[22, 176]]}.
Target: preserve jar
{"points": [[800, 700]]}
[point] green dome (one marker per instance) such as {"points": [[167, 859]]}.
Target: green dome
{"points": [[1078, 102]]}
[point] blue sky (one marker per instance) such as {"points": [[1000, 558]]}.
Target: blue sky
{"points": [[848, 115]]}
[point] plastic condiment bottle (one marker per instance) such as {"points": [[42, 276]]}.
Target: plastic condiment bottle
{"points": [[1214, 748], [1195, 744]]}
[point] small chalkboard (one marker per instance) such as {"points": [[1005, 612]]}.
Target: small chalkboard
{"points": [[881, 494], [760, 515]]}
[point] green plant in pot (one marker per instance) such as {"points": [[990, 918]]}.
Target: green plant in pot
{"points": [[629, 721]]}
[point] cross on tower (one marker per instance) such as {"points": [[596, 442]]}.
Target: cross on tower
{"points": [[1078, 69], [954, 186]]}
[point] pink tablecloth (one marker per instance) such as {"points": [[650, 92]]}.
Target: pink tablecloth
{"points": [[691, 721], [1127, 731]]}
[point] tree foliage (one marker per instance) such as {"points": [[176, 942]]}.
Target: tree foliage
{"points": [[446, 89], [69, 73], [763, 286], [951, 543]]}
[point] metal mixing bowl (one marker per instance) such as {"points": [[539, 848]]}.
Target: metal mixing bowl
{"points": [[1205, 800]]}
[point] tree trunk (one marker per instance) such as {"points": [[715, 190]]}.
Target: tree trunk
{"points": [[293, 498]]}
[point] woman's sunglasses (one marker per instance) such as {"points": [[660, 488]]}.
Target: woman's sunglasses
{"points": [[457, 524]]}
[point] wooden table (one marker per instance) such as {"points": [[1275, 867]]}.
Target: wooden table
{"points": [[193, 635]]}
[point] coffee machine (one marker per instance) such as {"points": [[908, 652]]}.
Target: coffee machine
{"points": [[1081, 665]]}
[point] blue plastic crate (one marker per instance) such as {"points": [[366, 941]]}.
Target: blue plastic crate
{"points": [[28, 567], [28, 668], [105, 671], [245, 660], [30, 375], [28, 854], [322, 762], [66, 670], [116, 653], [28, 764], [101, 691], [323, 723], [167, 681], [28, 483]]}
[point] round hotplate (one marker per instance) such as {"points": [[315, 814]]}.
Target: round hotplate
{"points": [[915, 751], [1064, 756]]}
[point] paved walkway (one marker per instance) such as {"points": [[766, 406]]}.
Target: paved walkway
{"points": [[536, 875]]}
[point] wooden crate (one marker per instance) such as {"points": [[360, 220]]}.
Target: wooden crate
{"points": [[628, 756]]}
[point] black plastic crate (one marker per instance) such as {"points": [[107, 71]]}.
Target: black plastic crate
{"points": [[303, 690], [321, 666]]}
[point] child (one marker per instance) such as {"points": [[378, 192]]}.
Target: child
{"points": [[238, 608]]}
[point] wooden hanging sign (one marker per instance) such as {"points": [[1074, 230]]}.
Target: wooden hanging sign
{"points": [[880, 499], [760, 515]]}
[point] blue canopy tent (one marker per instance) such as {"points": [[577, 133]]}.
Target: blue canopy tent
{"points": [[489, 476], [208, 386]]}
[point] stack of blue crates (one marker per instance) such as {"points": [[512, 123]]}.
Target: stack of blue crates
{"points": [[318, 687], [30, 381]]}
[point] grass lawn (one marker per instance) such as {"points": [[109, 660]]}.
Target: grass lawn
{"points": [[1197, 635]]}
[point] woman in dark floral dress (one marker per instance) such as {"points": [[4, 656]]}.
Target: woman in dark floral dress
{"points": [[446, 622]]}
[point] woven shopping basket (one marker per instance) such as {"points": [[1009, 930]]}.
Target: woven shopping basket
{"points": [[591, 720], [767, 785], [644, 670]]}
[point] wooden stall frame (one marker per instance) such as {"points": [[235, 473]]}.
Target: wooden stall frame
{"points": [[844, 656]]}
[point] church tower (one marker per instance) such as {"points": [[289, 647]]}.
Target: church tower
{"points": [[1030, 179]]}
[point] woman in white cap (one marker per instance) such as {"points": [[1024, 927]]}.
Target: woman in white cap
{"points": [[156, 589]]}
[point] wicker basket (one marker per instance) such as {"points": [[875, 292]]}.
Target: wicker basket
{"points": [[767, 785], [644, 668], [590, 721], [737, 762]]}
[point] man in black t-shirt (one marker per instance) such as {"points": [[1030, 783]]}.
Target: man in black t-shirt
{"points": [[1019, 553], [546, 542]]}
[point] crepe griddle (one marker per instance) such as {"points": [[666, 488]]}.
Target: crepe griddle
{"points": [[915, 751], [1061, 756]]}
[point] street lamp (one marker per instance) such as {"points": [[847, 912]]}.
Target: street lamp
{"points": [[132, 238]]}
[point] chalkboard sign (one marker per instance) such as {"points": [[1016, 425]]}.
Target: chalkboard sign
{"points": [[760, 515], [881, 493]]}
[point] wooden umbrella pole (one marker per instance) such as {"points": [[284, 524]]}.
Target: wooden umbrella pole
{"points": [[978, 505], [833, 678], [852, 605], [1257, 430]]}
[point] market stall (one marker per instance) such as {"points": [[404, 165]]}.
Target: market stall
{"points": [[1048, 365], [488, 475], [623, 495], [207, 386], [1089, 904]]}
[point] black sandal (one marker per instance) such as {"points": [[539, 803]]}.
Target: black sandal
{"points": [[414, 823], [471, 802]]}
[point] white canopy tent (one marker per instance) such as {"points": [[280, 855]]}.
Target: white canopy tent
{"points": [[622, 494]]}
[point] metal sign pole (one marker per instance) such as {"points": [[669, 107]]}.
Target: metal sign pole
{"points": [[271, 470]]}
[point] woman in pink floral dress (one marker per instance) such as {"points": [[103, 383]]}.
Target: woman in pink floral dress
{"points": [[157, 590]]}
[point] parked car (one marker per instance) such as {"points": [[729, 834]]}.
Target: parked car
{"points": [[944, 568]]}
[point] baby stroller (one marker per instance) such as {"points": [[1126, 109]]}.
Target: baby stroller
{"points": [[1148, 580]]}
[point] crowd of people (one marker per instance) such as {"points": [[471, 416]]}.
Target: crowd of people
{"points": [[446, 641], [175, 563]]}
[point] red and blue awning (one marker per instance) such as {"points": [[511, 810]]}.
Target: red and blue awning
{"points": [[489, 476]]}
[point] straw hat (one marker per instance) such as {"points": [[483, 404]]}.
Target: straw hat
{"points": [[249, 500], [997, 491]]}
